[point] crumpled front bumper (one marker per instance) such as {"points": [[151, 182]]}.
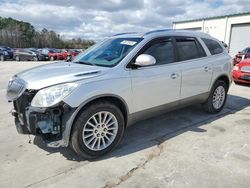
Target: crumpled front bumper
{"points": [[49, 123]]}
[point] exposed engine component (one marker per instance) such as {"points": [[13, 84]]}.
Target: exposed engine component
{"points": [[50, 122]]}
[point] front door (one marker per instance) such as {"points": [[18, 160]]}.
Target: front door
{"points": [[158, 84]]}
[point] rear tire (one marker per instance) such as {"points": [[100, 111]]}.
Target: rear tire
{"points": [[97, 130], [217, 98]]}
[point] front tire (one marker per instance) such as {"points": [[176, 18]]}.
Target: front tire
{"points": [[52, 58], [35, 58], [97, 130], [68, 58], [2, 58], [17, 58], [217, 98]]}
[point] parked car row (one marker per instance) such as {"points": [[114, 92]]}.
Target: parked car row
{"points": [[33, 54]]}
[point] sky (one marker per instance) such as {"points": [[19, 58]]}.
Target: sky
{"points": [[95, 19]]}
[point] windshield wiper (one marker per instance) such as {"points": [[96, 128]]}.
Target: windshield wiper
{"points": [[84, 62]]}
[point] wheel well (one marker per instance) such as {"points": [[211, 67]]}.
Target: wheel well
{"points": [[225, 79], [114, 100]]}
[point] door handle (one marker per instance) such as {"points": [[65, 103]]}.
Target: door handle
{"points": [[174, 76], [206, 69]]}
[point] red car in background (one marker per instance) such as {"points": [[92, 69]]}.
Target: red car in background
{"points": [[241, 72], [244, 54], [69, 54], [55, 54]]}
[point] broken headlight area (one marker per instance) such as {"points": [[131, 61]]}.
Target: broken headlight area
{"points": [[48, 122]]}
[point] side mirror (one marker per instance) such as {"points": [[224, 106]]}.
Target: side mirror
{"points": [[145, 60]]}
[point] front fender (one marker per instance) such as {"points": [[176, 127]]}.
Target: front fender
{"points": [[70, 121]]}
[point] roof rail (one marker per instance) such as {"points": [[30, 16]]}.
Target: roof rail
{"points": [[155, 31], [124, 33]]}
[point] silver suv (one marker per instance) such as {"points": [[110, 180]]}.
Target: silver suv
{"points": [[88, 103]]}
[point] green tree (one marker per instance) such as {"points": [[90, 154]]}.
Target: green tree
{"points": [[19, 34]]}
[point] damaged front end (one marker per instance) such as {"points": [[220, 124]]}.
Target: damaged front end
{"points": [[47, 122]]}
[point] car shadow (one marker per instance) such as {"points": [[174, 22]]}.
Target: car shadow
{"points": [[243, 84], [154, 131]]}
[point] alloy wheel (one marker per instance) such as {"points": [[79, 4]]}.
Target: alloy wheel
{"points": [[100, 131], [219, 97]]}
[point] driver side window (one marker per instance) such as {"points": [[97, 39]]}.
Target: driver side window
{"points": [[162, 51]]}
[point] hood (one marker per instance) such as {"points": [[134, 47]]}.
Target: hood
{"points": [[56, 73]]}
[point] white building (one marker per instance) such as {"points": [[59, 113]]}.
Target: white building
{"points": [[232, 29]]}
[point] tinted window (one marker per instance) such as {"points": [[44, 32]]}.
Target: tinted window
{"points": [[189, 48], [213, 46], [162, 51]]}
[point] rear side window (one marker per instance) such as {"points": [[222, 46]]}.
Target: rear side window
{"points": [[213, 46], [162, 51], [189, 48]]}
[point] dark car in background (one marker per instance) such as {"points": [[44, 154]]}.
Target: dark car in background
{"points": [[25, 55], [40, 55], [244, 54], [5, 53]]}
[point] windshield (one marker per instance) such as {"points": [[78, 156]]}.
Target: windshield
{"points": [[109, 53]]}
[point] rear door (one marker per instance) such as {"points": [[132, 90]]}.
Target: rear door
{"points": [[196, 68]]}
